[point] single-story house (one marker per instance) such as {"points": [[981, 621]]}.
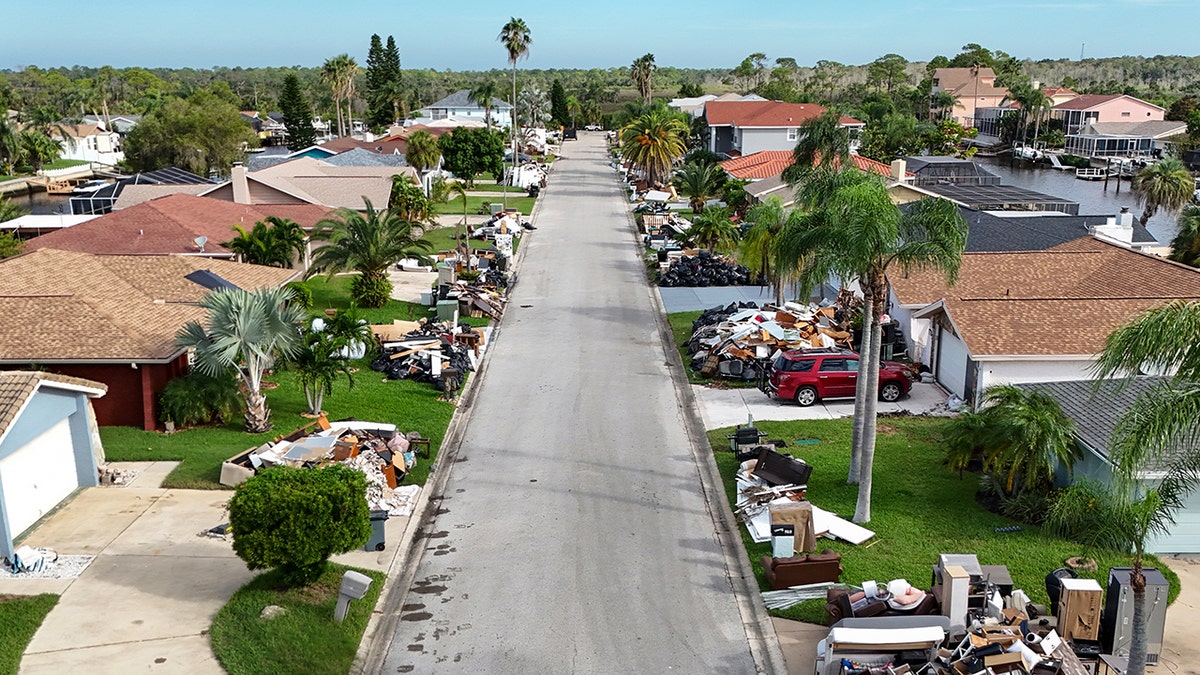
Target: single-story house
{"points": [[141, 187], [112, 319], [48, 446], [1096, 413], [1032, 316], [746, 127], [460, 106], [306, 180], [180, 223], [764, 170], [1121, 139]]}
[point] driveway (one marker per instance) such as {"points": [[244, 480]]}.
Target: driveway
{"points": [[729, 407]]}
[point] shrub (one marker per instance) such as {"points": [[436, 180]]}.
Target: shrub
{"points": [[301, 294], [1085, 513], [373, 292], [294, 519], [197, 398]]}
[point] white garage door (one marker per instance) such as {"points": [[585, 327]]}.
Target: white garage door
{"points": [[1184, 535], [38, 476], [952, 363]]}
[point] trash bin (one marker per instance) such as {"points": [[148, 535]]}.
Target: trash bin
{"points": [[378, 536]]}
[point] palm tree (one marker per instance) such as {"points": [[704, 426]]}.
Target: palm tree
{"points": [[1166, 185], [713, 231], [483, 94], [9, 210], [642, 74], [573, 108], [653, 142], [1160, 429], [319, 363], [943, 102], [245, 331], [516, 40], [825, 145], [338, 73], [1021, 434], [11, 151], [422, 152], [367, 242], [273, 241], [1185, 247], [699, 182], [853, 229], [759, 246], [38, 149], [534, 107]]}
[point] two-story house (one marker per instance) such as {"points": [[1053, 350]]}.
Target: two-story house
{"points": [[460, 106], [972, 88], [739, 128]]}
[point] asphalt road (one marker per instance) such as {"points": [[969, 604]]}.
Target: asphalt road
{"points": [[574, 536]]}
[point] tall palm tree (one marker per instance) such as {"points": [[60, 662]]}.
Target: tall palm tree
{"points": [[483, 93], [759, 246], [824, 145], [1161, 429], [1185, 246], [244, 331], [514, 35], [367, 242], [273, 241], [573, 108], [338, 74], [642, 74], [653, 142], [699, 181], [853, 230], [1166, 185], [422, 151]]}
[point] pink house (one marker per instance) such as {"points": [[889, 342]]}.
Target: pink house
{"points": [[1077, 113], [972, 89]]}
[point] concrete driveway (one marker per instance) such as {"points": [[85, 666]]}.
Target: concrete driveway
{"points": [[728, 407]]}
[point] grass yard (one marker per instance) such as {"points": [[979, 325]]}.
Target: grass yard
{"points": [[443, 240], [474, 203], [919, 509], [412, 406], [63, 164], [481, 186], [20, 616], [304, 640]]}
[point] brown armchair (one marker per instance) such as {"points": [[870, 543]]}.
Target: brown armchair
{"points": [[802, 569]]}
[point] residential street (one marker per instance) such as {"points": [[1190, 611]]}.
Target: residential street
{"points": [[574, 535]]}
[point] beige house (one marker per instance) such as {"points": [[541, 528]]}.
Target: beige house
{"points": [[306, 180], [972, 88]]}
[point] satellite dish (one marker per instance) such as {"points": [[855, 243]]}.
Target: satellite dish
{"points": [[200, 242]]}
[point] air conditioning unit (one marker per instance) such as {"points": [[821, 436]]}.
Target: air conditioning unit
{"points": [[1117, 623]]}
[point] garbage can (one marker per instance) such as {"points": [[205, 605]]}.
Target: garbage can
{"points": [[378, 536]]}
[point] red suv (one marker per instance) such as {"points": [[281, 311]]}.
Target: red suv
{"points": [[809, 375]]}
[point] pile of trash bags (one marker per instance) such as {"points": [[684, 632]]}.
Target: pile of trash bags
{"points": [[429, 354], [704, 269]]}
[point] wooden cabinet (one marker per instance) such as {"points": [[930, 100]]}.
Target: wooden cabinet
{"points": [[1079, 609]]}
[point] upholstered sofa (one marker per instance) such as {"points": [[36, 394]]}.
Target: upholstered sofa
{"points": [[802, 569]]}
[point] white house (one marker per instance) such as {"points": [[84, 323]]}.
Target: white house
{"points": [[460, 106], [1030, 316], [49, 446], [91, 143], [746, 127]]}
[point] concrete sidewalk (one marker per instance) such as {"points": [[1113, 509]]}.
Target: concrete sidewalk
{"points": [[148, 598]]}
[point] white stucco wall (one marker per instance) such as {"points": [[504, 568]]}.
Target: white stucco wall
{"points": [[992, 373]]}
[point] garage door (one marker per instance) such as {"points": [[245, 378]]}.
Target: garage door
{"points": [[952, 363], [1184, 535], [38, 476]]}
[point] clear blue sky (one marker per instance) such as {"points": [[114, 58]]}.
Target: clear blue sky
{"points": [[605, 33]]}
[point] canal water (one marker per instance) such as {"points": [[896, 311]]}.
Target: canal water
{"points": [[1092, 198], [43, 203]]}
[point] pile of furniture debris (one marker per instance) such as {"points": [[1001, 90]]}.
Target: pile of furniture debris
{"points": [[383, 454], [435, 352], [702, 270], [738, 341]]}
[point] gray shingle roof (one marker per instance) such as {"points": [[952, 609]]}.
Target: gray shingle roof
{"points": [[1096, 412], [989, 233], [462, 99], [361, 157]]}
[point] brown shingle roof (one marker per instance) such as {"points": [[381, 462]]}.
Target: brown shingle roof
{"points": [[70, 306], [169, 225], [16, 386], [1060, 301]]}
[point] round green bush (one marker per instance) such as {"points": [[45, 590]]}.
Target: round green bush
{"points": [[372, 292], [294, 519], [197, 398]]}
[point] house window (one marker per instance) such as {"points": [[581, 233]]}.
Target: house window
{"points": [[793, 134], [1125, 114]]}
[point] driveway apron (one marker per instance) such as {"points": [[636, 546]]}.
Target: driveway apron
{"points": [[574, 535]]}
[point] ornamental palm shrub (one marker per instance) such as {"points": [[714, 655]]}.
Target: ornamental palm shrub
{"points": [[198, 398], [294, 519]]}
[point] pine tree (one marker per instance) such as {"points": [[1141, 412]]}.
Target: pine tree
{"points": [[558, 104], [383, 68], [297, 114]]}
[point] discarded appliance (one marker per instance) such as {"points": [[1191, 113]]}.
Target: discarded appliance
{"points": [[428, 352]]}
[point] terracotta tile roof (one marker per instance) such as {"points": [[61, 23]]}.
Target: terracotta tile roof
{"points": [[848, 121], [1060, 301], [758, 165], [169, 225], [761, 113], [16, 386], [70, 306]]}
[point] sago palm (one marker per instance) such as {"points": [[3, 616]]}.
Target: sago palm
{"points": [[367, 242], [1025, 435], [318, 363], [245, 331], [1166, 185], [713, 231]]}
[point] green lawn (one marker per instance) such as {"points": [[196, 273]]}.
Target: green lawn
{"points": [[20, 617], [919, 509], [443, 240], [304, 640], [412, 406], [454, 206], [63, 164], [481, 186]]}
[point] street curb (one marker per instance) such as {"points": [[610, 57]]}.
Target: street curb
{"points": [[376, 641], [760, 632]]}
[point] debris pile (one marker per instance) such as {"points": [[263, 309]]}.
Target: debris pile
{"points": [[702, 270], [737, 341], [435, 352], [111, 475]]}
